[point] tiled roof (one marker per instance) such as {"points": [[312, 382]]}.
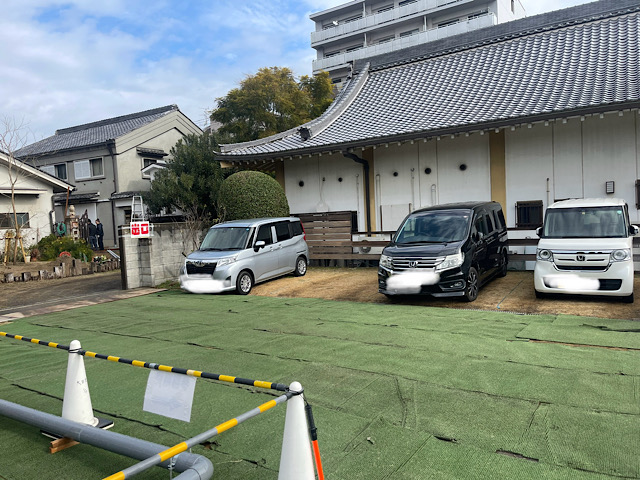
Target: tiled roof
{"points": [[95, 133], [528, 70]]}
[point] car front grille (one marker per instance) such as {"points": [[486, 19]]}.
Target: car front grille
{"points": [[200, 268], [407, 263]]}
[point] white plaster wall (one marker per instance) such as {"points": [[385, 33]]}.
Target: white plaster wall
{"points": [[609, 152], [529, 162], [567, 160], [427, 152], [323, 190], [474, 183]]}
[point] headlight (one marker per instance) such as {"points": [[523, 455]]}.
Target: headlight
{"points": [[621, 255], [386, 261], [226, 261], [451, 261], [544, 255]]}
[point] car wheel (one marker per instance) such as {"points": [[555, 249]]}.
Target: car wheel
{"points": [[540, 294], [628, 299], [473, 284], [301, 266], [244, 283], [504, 264]]}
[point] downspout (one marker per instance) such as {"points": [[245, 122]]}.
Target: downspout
{"points": [[191, 466], [111, 146], [367, 190]]}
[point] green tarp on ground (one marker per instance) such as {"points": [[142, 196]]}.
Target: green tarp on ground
{"points": [[399, 392]]}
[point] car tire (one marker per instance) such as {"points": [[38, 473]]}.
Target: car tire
{"points": [[244, 283], [628, 299], [504, 265], [540, 294], [301, 266], [472, 286]]}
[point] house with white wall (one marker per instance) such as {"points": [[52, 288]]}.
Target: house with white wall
{"points": [[524, 113], [33, 192], [106, 161]]}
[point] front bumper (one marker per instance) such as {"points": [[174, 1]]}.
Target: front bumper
{"points": [[450, 283], [222, 279], [616, 281]]}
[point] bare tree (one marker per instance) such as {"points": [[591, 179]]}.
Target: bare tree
{"points": [[13, 136]]}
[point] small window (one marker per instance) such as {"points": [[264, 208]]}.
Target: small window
{"points": [[6, 220], [409, 33], [331, 54], [481, 13], [336, 80], [50, 169], [406, 2], [61, 171], [481, 224], [387, 39], [354, 48], [529, 214], [385, 9], [498, 217], [352, 19], [145, 163], [264, 234], [88, 168], [282, 231], [448, 23]]}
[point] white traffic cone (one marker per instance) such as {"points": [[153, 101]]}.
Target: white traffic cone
{"points": [[296, 460], [76, 405]]}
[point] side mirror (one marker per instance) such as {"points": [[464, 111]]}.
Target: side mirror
{"points": [[259, 244], [633, 230], [539, 231]]}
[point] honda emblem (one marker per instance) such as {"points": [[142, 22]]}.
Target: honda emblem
{"points": [[581, 258]]}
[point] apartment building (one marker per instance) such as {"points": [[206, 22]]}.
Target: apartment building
{"points": [[366, 28]]}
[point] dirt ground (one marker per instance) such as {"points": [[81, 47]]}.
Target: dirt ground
{"points": [[513, 293]]}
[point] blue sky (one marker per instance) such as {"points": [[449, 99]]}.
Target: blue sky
{"points": [[68, 62]]}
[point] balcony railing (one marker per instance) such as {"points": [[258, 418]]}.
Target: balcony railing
{"points": [[399, 43], [421, 6]]}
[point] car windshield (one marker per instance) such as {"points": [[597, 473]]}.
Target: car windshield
{"points": [[591, 222], [226, 238], [444, 226]]}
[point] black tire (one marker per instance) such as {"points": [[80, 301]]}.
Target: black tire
{"points": [[504, 265], [301, 266], [473, 285], [540, 294], [628, 299], [244, 283]]}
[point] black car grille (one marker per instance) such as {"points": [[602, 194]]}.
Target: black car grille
{"points": [[406, 263], [200, 268]]}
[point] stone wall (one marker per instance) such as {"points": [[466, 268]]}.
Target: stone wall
{"points": [[67, 267], [148, 262]]}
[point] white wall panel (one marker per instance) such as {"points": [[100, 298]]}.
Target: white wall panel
{"points": [[567, 160], [529, 162]]}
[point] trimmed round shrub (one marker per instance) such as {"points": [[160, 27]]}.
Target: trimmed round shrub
{"points": [[251, 194]]}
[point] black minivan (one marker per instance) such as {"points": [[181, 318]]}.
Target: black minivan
{"points": [[446, 251]]}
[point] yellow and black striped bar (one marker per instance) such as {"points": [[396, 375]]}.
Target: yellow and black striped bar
{"points": [[156, 366], [183, 446], [34, 340]]}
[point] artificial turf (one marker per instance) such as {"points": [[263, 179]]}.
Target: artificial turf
{"points": [[399, 392]]}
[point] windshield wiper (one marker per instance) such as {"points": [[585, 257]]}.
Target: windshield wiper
{"points": [[419, 241], [211, 249]]}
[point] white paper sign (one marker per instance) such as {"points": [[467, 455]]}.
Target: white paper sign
{"points": [[169, 394]]}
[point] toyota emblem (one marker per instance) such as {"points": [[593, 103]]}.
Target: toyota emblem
{"points": [[198, 264], [581, 258]]}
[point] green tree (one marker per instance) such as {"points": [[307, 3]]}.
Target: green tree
{"points": [[250, 194], [271, 101], [190, 183]]}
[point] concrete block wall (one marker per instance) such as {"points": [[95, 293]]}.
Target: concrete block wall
{"points": [[148, 262]]}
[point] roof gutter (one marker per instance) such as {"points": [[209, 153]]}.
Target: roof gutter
{"points": [[367, 191]]}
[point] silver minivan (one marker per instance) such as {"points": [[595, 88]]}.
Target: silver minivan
{"points": [[238, 254]]}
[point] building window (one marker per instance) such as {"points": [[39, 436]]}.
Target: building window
{"points": [[387, 39], [354, 48], [59, 170], [331, 54], [385, 9], [481, 13], [529, 214], [448, 23], [146, 162], [6, 220], [88, 168], [409, 33], [336, 80], [406, 2], [352, 19]]}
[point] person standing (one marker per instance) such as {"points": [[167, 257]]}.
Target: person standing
{"points": [[92, 235], [99, 234]]}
